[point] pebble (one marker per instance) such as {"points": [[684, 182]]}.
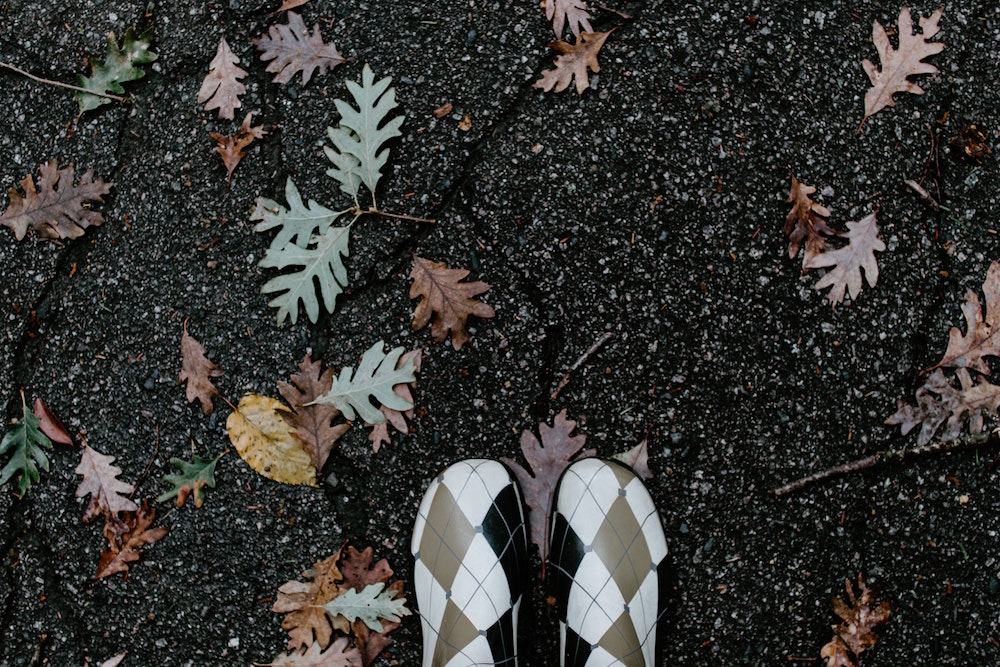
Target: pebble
{"points": [[994, 586], [683, 528]]}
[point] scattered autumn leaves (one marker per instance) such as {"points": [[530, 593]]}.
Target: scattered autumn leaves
{"points": [[856, 631]]}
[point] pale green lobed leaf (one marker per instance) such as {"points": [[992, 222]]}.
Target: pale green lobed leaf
{"points": [[370, 605], [296, 224], [375, 378]]}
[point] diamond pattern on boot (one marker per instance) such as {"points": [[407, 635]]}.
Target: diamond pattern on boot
{"points": [[607, 556], [470, 546]]}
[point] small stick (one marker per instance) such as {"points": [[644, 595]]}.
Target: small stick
{"points": [[612, 10], [976, 440], [400, 216], [60, 83], [579, 362]]}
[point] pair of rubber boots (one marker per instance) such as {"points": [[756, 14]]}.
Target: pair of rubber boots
{"points": [[606, 558]]}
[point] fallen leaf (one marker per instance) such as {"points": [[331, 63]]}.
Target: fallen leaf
{"points": [[442, 110], [120, 65], [56, 209], [368, 605], [446, 302], [805, 223], [113, 662], [292, 48], [899, 64], [371, 643], [306, 622], [846, 263], [339, 654], [50, 424], [291, 4], [938, 400], [546, 460], [231, 148], [101, 483], [376, 377], [857, 631], [358, 570], [25, 442], [313, 423], [221, 89], [191, 481], [268, 443], [574, 59], [637, 458], [124, 547], [572, 11], [982, 336], [197, 371], [379, 434], [466, 123]]}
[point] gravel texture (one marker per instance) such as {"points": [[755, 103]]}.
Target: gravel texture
{"points": [[651, 207]]}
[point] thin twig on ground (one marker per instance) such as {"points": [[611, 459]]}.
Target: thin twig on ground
{"points": [[976, 440], [60, 84], [579, 362], [612, 10], [399, 216]]}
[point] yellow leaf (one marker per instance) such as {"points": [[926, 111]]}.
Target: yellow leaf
{"points": [[267, 443]]}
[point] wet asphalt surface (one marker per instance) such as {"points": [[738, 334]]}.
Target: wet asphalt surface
{"points": [[651, 207]]}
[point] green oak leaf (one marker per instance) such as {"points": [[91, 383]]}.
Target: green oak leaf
{"points": [[25, 442], [192, 480], [120, 65], [375, 378], [371, 604], [295, 224]]}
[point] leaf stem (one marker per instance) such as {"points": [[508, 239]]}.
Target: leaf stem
{"points": [[400, 216], [991, 438], [60, 84]]}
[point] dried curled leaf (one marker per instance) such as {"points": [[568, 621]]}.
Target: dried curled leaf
{"points": [[231, 148], [573, 12], [856, 633], [938, 400], [120, 65], [313, 422], [306, 622], [445, 301], [51, 425], [100, 481], [293, 49], [221, 88], [805, 223], [197, 370], [267, 443], [573, 61], [24, 442], [846, 263], [125, 538], [546, 460], [898, 64], [982, 336], [57, 208], [339, 654], [377, 375]]}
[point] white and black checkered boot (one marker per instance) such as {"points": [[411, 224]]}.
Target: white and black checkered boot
{"points": [[470, 546], [607, 561]]}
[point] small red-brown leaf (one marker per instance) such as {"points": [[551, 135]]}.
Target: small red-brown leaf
{"points": [[124, 546], [312, 423], [196, 370], [805, 223], [547, 460], [573, 61], [856, 633], [50, 424], [359, 571], [231, 148], [446, 302]]}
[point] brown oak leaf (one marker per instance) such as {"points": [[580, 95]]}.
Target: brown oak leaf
{"points": [[101, 483], [221, 90], [856, 632], [446, 303], [982, 322], [846, 263], [562, 11], [938, 400], [51, 425], [125, 538], [805, 223], [56, 208], [546, 459], [197, 371], [231, 148], [898, 64], [313, 423], [339, 654], [574, 59], [307, 621], [292, 48], [379, 434]]}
